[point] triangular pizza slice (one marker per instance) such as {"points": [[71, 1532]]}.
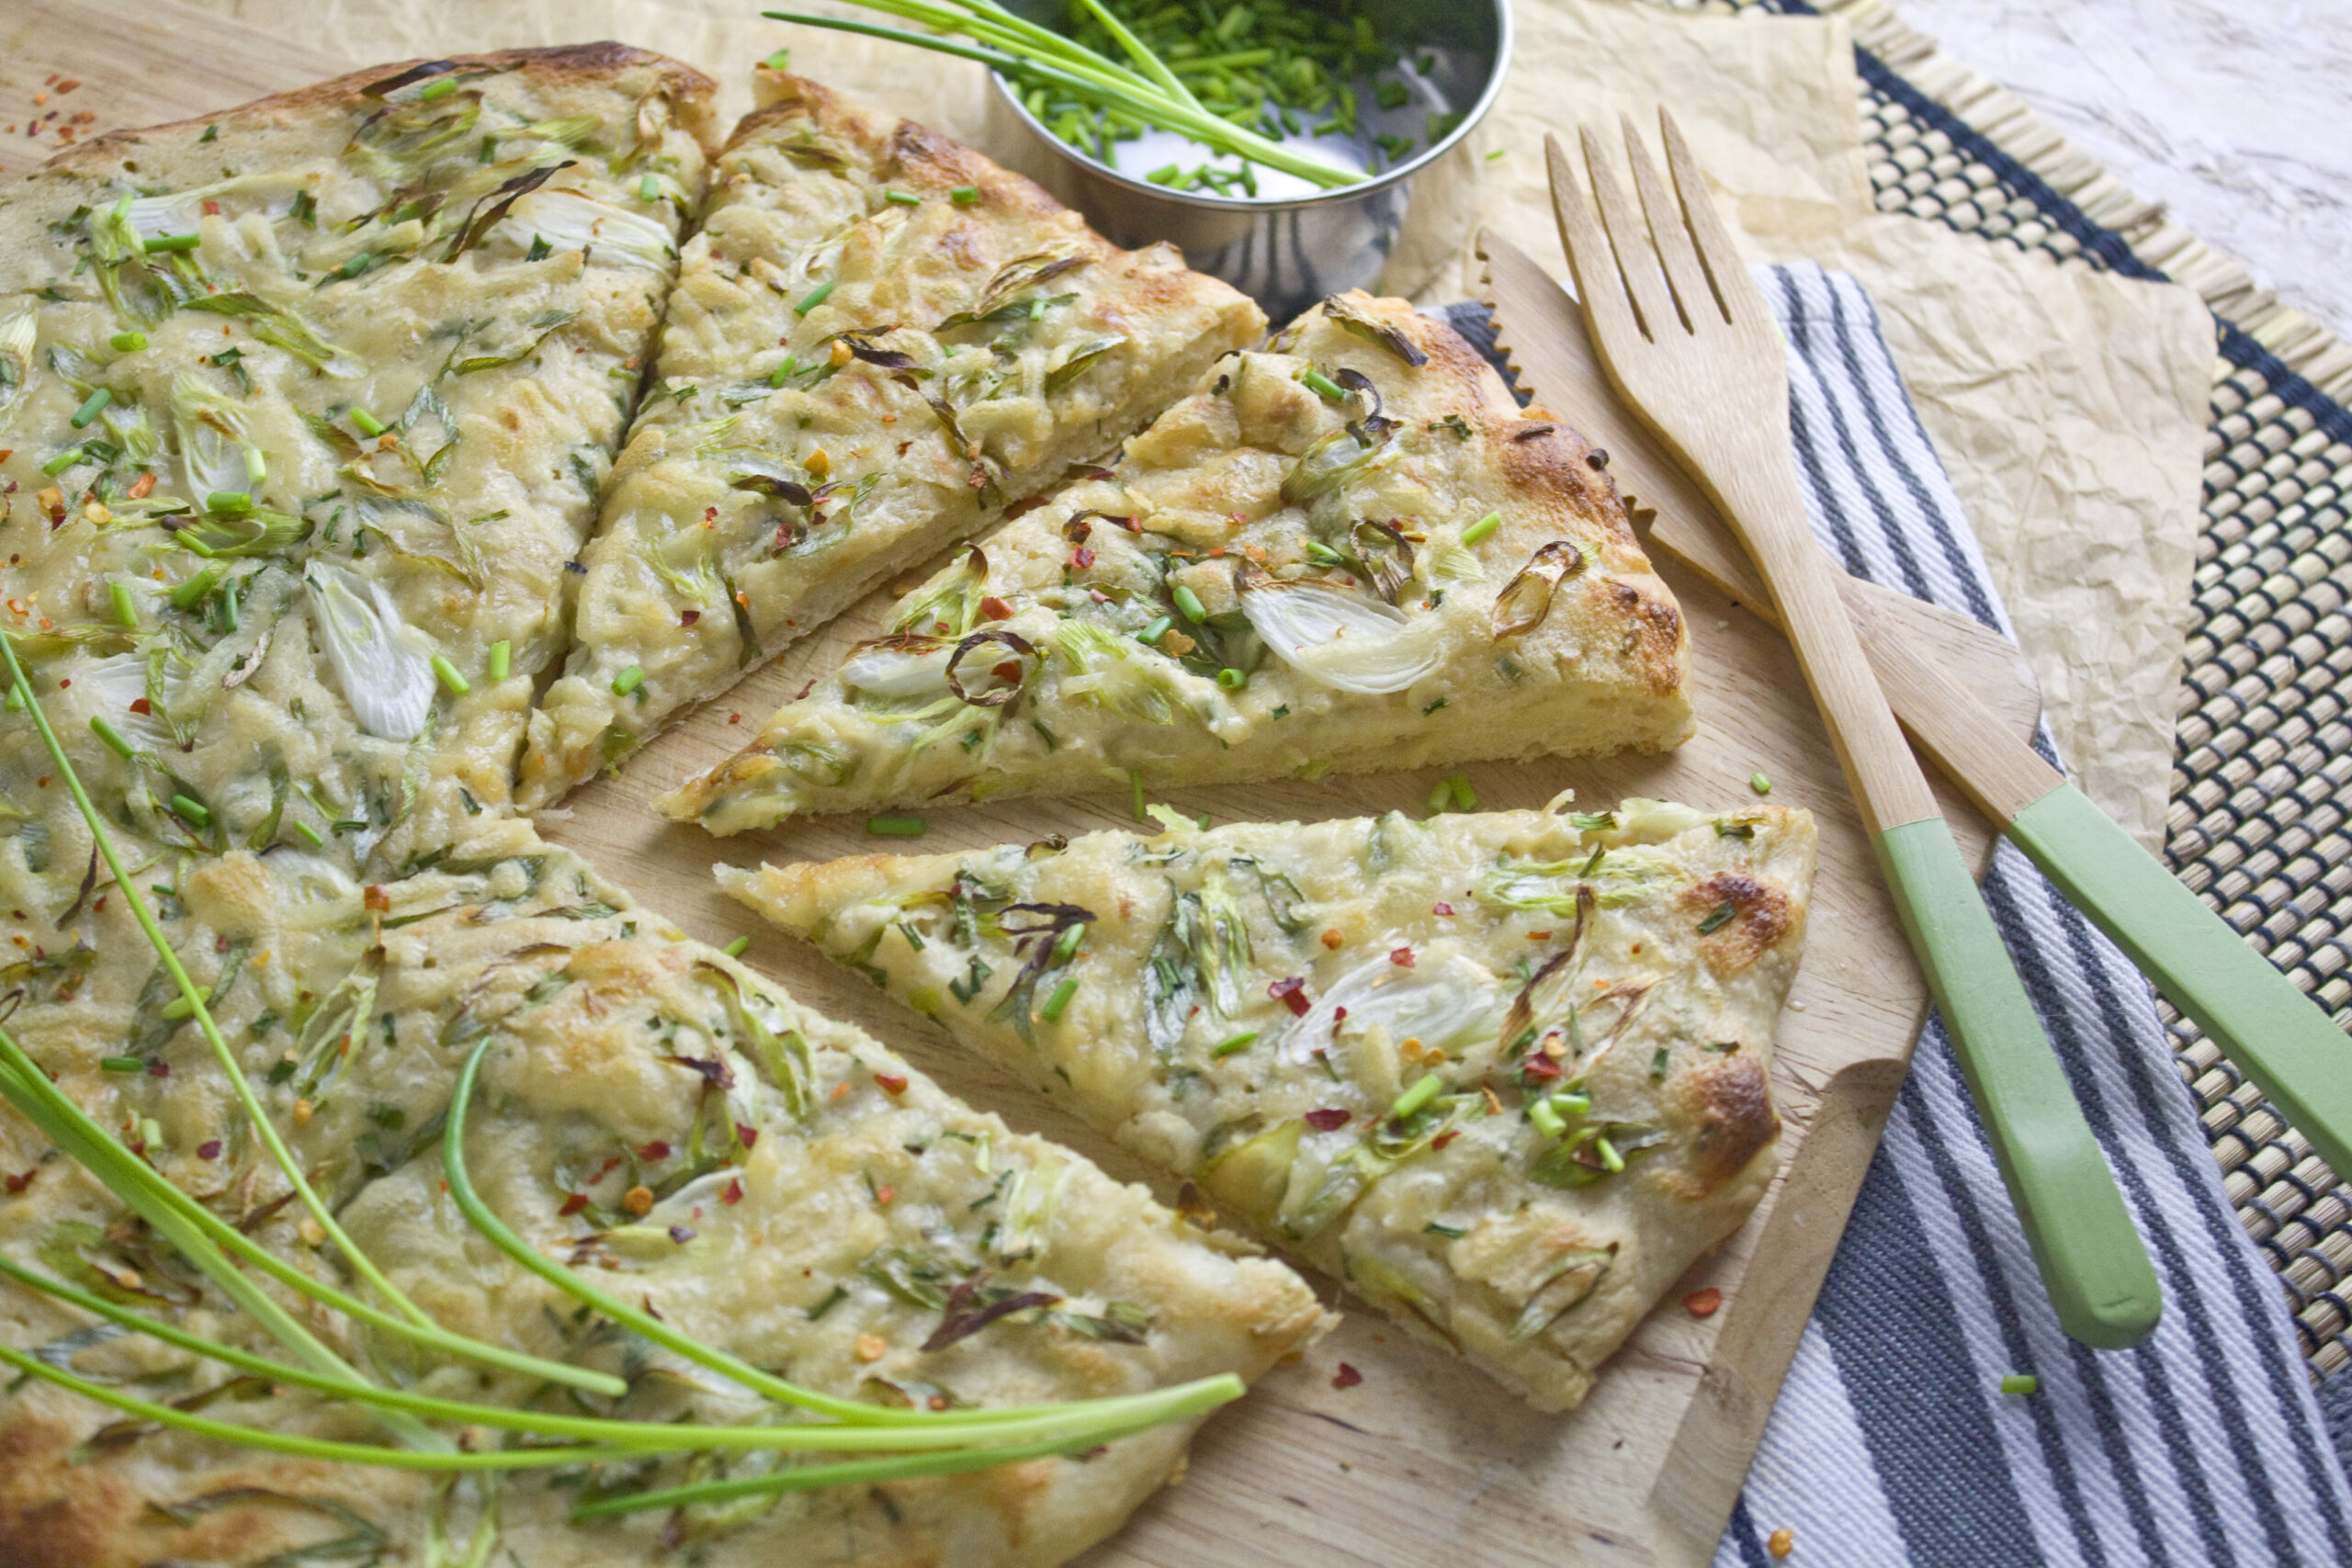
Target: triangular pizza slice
{"points": [[1352, 550], [880, 340], [1506, 1074]]}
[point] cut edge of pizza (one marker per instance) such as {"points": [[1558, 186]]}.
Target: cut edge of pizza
{"points": [[1506, 1074], [879, 342], [1350, 550]]}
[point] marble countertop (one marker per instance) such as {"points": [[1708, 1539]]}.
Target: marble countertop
{"points": [[2238, 116]]}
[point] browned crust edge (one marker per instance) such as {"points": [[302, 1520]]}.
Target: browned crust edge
{"points": [[580, 61]]}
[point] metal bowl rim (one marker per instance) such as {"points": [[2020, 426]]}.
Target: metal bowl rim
{"points": [[1335, 197]]}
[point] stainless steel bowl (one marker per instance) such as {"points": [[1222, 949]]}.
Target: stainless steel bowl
{"points": [[1285, 251]]}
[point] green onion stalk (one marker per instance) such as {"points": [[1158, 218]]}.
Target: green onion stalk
{"points": [[1035, 55], [892, 1445]]}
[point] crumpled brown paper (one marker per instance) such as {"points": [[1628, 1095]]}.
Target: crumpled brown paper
{"points": [[2068, 405]]}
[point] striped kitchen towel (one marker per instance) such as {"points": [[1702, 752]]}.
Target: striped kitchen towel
{"points": [[1892, 1444]]}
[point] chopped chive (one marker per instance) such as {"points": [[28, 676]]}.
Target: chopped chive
{"points": [[1166, 175], [1721, 916], [192, 545], [1232, 680], [1322, 386], [2020, 1382], [1189, 604], [1546, 1118], [229, 605], [310, 835], [502, 653], [1610, 1160], [1232, 1043], [629, 679], [1759, 784], [897, 826], [179, 1007], [1464, 797], [194, 811], [1481, 528], [1452, 1233], [256, 466], [1414, 1098], [902, 198], [457, 685], [367, 424], [113, 738], [92, 406], [195, 590], [1322, 554], [814, 298], [172, 242], [61, 462], [1135, 785], [840, 1294], [1052, 1011], [440, 89], [783, 372], [230, 502], [1569, 1104], [126, 342], [737, 948], [1158, 629], [964, 196], [125, 611], [648, 188], [122, 1063]]}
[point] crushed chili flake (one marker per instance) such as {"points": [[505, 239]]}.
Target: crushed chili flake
{"points": [[1703, 1303], [377, 898], [141, 487], [16, 1184], [1539, 1065], [657, 1149], [747, 1135], [884, 1194], [1441, 909], [995, 609], [892, 1083], [1539, 936], [1402, 957], [142, 705], [572, 1203], [688, 618], [208, 1149], [1335, 938], [733, 1193], [1346, 1377], [159, 1069], [1292, 994], [1329, 1119], [1081, 559]]}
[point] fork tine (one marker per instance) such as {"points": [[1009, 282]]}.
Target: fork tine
{"points": [[1598, 286], [1734, 289], [1692, 291], [1630, 237]]}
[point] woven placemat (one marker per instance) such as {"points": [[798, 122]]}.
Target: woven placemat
{"points": [[2262, 757]]}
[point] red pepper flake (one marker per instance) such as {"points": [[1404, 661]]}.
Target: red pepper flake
{"points": [[1539, 936], [884, 1194], [572, 1203], [733, 1193], [747, 1135], [688, 618], [657, 1149], [995, 609], [377, 900], [1441, 909], [140, 705], [1539, 1065], [1346, 1377], [211, 208], [1703, 1303], [142, 486], [16, 1184], [1008, 671], [1445, 1137], [1081, 559], [1330, 1119], [1402, 957], [1335, 939], [159, 1069], [892, 1083], [1292, 994], [208, 1149]]}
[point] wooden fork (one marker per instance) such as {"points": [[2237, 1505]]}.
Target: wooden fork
{"points": [[1685, 336]]}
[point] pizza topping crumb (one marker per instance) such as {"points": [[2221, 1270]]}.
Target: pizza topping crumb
{"points": [[1292, 994], [1335, 939], [1346, 1377], [1330, 1119], [1703, 1303], [870, 1348], [637, 1201], [1783, 1542]]}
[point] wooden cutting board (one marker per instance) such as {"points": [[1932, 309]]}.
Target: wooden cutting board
{"points": [[1424, 1462]]}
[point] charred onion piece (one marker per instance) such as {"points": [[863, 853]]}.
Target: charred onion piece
{"points": [[1024, 654], [1527, 598]]}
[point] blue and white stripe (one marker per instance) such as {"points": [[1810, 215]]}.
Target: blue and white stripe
{"points": [[1892, 1444]]}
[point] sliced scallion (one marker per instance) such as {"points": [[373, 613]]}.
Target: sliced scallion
{"points": [[1481, 528], [501, 654], [629, 679], [892, 826], [457, 685], [92, 406], [814, 298]]}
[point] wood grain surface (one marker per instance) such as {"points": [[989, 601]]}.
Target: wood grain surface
{"points": [[1425, 1462]]}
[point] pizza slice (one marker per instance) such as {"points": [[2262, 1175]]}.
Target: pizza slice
{"points": [[670, 1125], [305, 405], [1505, 1075], [880, 341], [1352, 550]]}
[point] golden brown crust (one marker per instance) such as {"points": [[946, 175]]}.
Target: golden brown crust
{"points": [[1761, 917], [564, 64], [911, 154], [1730, 1102]]}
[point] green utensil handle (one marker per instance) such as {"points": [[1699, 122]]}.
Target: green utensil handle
{"points": [[2277, 1036], [2093, 1265]]}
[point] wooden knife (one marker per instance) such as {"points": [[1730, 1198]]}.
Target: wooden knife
{"points": [[2276, 1035]]}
